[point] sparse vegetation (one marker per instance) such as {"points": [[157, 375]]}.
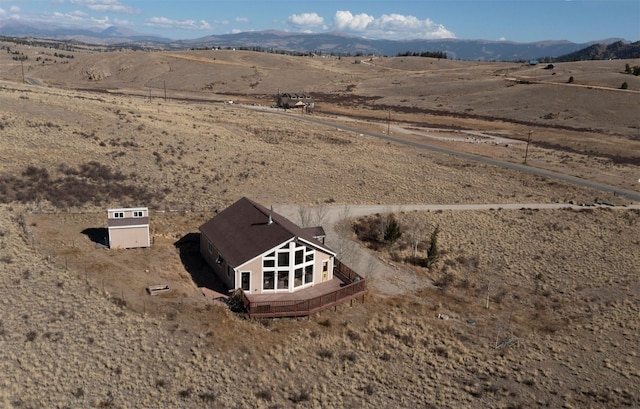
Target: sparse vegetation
{"points": [[564, 281], [91, 182], [633, 70], [428, 54]]}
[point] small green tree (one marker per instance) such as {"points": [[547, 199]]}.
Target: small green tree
{"points": [[432, 251], [624, 85], [392, 231], [571, 80]]}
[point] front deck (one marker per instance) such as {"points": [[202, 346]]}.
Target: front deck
{"points": [[345, 286]]}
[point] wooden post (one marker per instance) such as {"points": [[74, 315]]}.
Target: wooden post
{"points": [[526, 152], [389, 123]]}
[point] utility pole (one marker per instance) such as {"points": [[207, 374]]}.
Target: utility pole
{"points": [[22, 65], [526, 151], [165, 90], [389, 123]]}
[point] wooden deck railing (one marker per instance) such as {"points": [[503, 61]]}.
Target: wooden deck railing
{"points": [[344, 273], [354, 286]]}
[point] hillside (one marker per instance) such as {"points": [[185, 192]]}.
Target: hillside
{"points": [[508, 97], [525, 307], [615, 51]]}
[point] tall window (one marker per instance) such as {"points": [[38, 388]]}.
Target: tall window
{"points": [[268, 281], [289, 267]]}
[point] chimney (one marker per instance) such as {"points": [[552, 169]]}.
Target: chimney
{"points": [[270, 218]]}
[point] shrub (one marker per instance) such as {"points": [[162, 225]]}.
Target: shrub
{"points": [[624, 85], [367, 229], [207, 397], [325, 353], [302, 396], [354, 336], [349, 356], [185, 393], [570, 80], [265, 395], [368, 389], [445, 281], [392, 231]]}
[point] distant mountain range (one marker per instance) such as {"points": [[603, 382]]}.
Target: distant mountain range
{"points": [[616, 50], [326, 43]]}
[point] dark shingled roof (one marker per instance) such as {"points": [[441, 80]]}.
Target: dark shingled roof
{"points": [[316, 231], [242, 231]]}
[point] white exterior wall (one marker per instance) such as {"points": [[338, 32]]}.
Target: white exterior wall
{"points": [[127, 230], [255, 267]]}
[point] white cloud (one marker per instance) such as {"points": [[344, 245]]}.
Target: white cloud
{"points": [[169, 24], [78, 13], [121, 23], [2, 12], [100, 22], [74, 18], [14, 9], [389, 26], [242, 20], [344, 20], [306, 20], [502, 39], [104, 6]]}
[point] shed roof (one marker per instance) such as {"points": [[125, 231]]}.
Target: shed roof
{"points": [[242, 232]]}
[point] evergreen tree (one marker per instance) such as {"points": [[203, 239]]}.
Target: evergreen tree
{"points": [[392, 231], [432, 252]]}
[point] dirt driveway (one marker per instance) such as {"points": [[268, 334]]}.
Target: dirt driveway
{"points": [[383, 277]]}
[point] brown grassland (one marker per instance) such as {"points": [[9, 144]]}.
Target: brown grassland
{"points": [[543, 306]]}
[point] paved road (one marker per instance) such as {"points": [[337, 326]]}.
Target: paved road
{"points": [[385, 278], [629, 194]]}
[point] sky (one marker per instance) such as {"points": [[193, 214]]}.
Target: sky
{"points": [[578, 21]]}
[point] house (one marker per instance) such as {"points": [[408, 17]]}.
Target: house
{"points": [[280, 268], [259, 251], [293, 100], [128, 227]]}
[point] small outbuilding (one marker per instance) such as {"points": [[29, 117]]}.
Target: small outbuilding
{"points": [[128, 227]]}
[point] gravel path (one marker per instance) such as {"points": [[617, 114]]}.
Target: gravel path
{"points": [[384, 278]]}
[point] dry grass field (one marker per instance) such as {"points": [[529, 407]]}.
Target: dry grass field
{"points": [[78, 330]]}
